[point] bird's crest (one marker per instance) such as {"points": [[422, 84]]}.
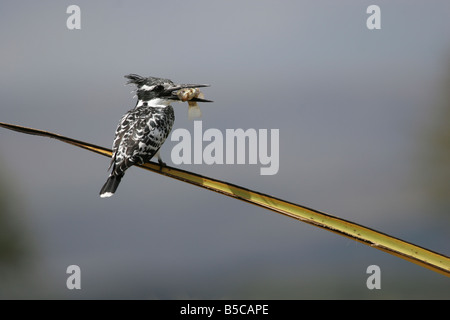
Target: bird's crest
{"points": [[140, 81]]}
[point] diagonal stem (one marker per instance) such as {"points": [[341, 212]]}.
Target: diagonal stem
{"points": [[426, 258]]}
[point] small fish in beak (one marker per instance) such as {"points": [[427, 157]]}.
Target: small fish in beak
{"points": [[188, 94]]}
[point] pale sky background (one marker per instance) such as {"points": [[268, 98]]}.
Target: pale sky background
{"points": [[351, 106]]}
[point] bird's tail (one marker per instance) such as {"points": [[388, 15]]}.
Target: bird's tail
{"points": [[110, 186]]}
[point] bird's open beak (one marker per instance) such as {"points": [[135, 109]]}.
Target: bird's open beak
{"points": [[174, 91]]}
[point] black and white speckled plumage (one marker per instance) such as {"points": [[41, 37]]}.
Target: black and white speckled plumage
{"points": [[139, 135], [141, 131]]}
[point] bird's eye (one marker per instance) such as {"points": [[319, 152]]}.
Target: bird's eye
{"points": [[159, 88]]}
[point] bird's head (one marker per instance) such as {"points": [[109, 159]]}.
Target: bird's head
{"points": [[160, 91]]}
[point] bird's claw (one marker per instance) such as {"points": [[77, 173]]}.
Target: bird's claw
{"points": [[161, 164]]}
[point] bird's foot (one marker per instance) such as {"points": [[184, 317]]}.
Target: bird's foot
{"points": [[161, 164]]}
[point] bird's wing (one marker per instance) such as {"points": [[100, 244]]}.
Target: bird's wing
{"points": [[120, 160], [139, 135], [153, 129]]}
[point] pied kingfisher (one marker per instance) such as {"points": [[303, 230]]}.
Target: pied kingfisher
{"points": [[142, 130]]}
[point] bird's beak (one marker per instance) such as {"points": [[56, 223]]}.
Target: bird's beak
{"points": [[174, 91]]}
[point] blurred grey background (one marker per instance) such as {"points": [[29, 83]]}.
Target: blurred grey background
{"points": [[364, 135]]}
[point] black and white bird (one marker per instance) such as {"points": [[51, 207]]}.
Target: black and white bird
{"points": [[142, 130]]}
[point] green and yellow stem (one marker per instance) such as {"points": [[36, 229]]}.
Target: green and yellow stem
{"points": [[426, 258]]}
